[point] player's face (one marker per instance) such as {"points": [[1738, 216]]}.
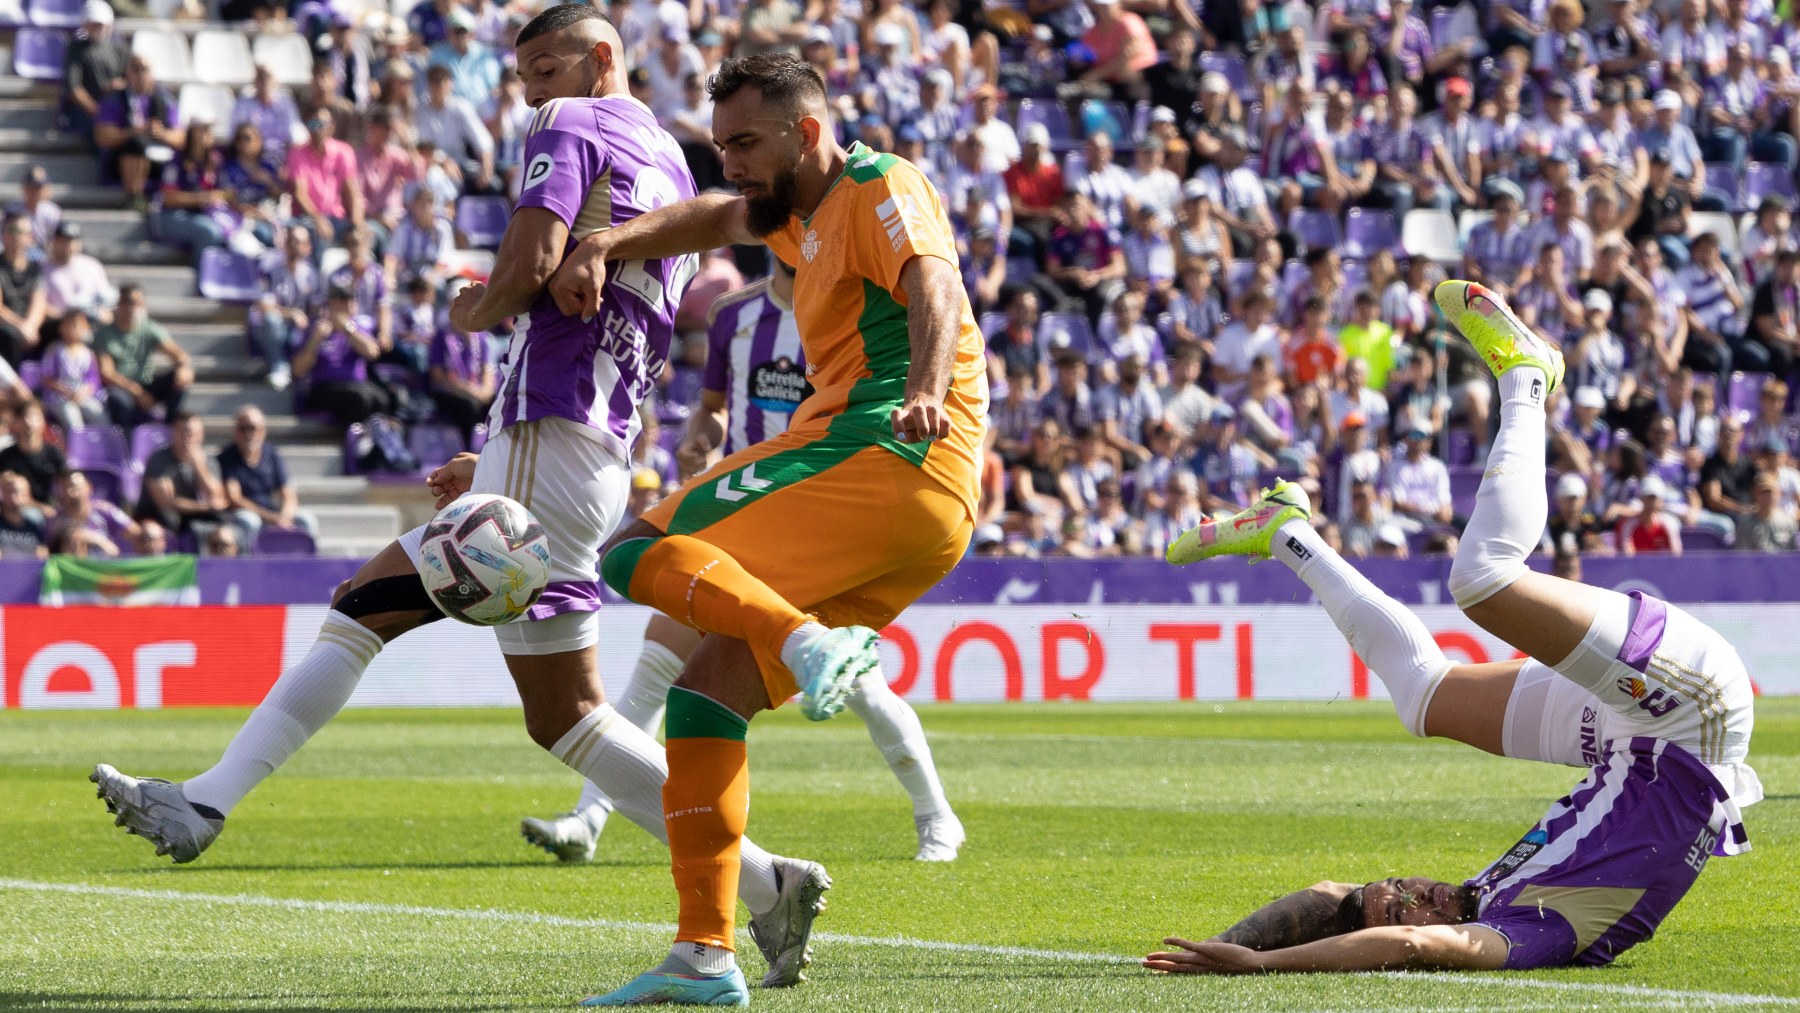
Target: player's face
{"points": [[1414, 900], [760, 151], [552, 66]]}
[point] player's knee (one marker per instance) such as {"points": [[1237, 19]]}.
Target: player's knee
{"points": [[387, 606], [1477, 572], [547, 725]]}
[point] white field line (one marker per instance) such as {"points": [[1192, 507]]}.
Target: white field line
{"points": [[1667, 996]]}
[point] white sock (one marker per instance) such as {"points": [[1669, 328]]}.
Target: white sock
{"points": [[629, 767], [800, 640], [300, 703], [1390, 639], [897, 733], [642, 705], [704, 958], [1510, 507]]}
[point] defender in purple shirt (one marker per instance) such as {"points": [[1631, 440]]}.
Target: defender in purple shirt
{"points": [[755, 369], [1655, 704]]}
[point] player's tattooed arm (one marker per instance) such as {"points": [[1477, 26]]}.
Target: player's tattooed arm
{"points": [[697, 224], [1301, 917]]}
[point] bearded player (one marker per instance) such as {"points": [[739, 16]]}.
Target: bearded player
{"points": [[1656, 704], [563, 423], [791, 553], [755, 379]]}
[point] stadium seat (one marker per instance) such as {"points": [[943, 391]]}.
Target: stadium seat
{"points": [[1698, 539], [1764, 179], [165, 52], [210, 102], [1466, 222], [96, 447], [1745, 391], [1718, 224], [12, 13], [1231, 66], [222, 57], [287, 56], [1356, 274], [474, 265], [273, 541], [1065, 330], [352, 436], [1075, 164], [1462, 448], [229, 277], [393, 374], [683, 390], [1238, 272], [146, 439], [1465, 481], [434, 444], [1293, 275], [55, 13], [1723, 177], [1366, 232], [482, 220], [333, 258], [39, 54], [108, 483], [1430, 233], [1314, 229], [1020, 270]]}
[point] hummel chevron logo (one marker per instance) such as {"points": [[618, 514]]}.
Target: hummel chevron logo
{"points": [[747, 481]]}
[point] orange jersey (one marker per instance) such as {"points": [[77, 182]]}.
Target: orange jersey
{"points": [[852, 316]]}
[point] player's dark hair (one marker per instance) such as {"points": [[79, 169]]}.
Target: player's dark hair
{"points": [[1349, 915], [784, 80], [555, 19]]}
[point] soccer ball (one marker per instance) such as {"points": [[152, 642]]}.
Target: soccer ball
{"points": [[484, 560]]}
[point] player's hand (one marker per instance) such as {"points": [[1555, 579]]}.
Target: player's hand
{"points": [[451, 479], [691, 457], [920, 419], [1203, 958], [462, 309], [576, 284]]}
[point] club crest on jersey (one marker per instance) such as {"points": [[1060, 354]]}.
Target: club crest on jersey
{"points": [[1632, 686], [538, 171], [809, 247]]}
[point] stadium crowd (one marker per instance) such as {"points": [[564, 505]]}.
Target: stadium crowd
{"points": [[1201, 241]]}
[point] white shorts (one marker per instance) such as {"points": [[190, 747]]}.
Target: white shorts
{"points": [[1666, 675], [576, 488]]}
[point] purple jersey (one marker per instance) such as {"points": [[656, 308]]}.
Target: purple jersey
{"points": [[753, 357], [1610, 860], [596, 163]]}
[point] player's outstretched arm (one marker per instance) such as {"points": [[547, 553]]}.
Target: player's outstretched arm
{"points": [[934, 296], [695, 225], [528, 255], [1388, 948], [1303, 916]]}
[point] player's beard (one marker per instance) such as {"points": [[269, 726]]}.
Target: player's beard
{"points": [[771, 209]]}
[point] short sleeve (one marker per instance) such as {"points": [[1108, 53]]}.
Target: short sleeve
{"points": [[278, 468], [560, 164], [900, 218], [1535, 936]]}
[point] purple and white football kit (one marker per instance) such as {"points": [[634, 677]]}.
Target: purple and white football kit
{"points": [[754, 358]]}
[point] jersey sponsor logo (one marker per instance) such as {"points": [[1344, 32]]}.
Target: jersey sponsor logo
{"points": [[538, 170], [777, 386], [1519, 854], [1590, 736], [809, 247], [899, 214]]}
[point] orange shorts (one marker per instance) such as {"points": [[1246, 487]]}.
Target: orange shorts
{"points": [[846, 531]]}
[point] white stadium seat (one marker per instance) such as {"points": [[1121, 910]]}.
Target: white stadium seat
{"points": [[333, 258], [210, 102], [1466, 222], [287, 55], [222, 58], [1719, 224], [166, 53], [1431, 233]]}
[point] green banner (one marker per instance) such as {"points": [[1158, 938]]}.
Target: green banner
{"points": [[153, 580]]}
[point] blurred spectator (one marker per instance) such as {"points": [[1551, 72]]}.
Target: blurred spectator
{"points": [[95, 68], [1598, 357], [975, 195], [180, 490], [385, 169], [1573, 528], [1195, 314], [135, 385], [1774, 329], [335, 361], [257, 487], [252, 183], [1353, 460], [1663, 212], [87, 526], [1013, 415], [23, 532], [1228, 463], [270, 109], [1369, 340], [1653, 529], [348, 53], [1199, 236], [1033, 185], [1122, 46], [421, 238], [463, 381], [1242, 341], [1728, 475], [73, 280], [1419, 402], [290, 291], [1237, 192], [322, 177], [72, 374], [133, 124], [1548, 303], [192, 207], [416, 324], [37, 208], [1767, 527], [1368, 519], [1418, 482], [474, 69], [325, 92], [1313, 354], [23, 305], [777, 26], [30, 454], [1034, 478], [1770, 234], [670, 65], [1666, 132], [1713, 304], [1084, 257]]}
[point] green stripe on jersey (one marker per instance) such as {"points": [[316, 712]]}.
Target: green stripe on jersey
{"points": [[718, 498]]}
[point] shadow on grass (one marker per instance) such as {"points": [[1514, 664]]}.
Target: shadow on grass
{"points": [[103, 1001]]}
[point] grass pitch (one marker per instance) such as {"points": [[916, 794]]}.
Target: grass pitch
{"points": [[382, 869]]}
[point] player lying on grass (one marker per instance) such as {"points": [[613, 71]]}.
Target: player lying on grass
{"points": [[563, 423], [755, 379], [1657, 704]]}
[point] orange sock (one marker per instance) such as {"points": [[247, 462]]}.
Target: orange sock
{"points": [[706, 803], [697, 583]]}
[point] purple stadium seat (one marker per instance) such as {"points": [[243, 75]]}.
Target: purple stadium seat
{"points": [[684, 390], [31, 373], [1462, 447], [229, 277], [147, 439], [184, 543], [482, 220], [1744, 392], [1293, 275], [1701, 540], [1238, 272], [1314, 229], [108, 484], [1723, 177], [1762, 179], [1070, 330], [96, 447], [1356, 275], [1054, 118], [992, 322], [352, 436], [1366, 232], [56, 13], [39, 54], [1465, 481], [434, 444], [1440, 25], [1020, 270], [274, 541]]}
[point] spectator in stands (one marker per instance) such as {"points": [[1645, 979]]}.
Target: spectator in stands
{"points": [[1713, 304], [1217, 111], [75, 281], [347, 51], [385, 169], [1149, 257], [367, 280], [1418, 482], [1548, 302], [252, 183], [1663, 212], [1070, 402], [975, 195], [325, 93], [1237, 192], [1153, 186], [72, 374], [474, 69], [23, 305], [1769, 234], [1352, 67], [1033, 489], [1136, 405], [1367, 521], [257, 487], [1356, 394], [130, 123], [1598, 358], [983, 269], [463, 380], [415, 324], [135, 385], [1252, 335], [1573, 528], [1772, 459], [1033, 185], [769, 26], [1767, 527], [669, 67], [1667, 132], [88, 526], [1370, 340], [95, 68], [1084, 258], [192, 207], [1419, 403], [1180, 513], [1737, 111], [23, 532], [1187, 406], [1228, 463], [37, 208], [336, 359], [30, 454], [290, 291], [1771, 423], [270, 109], [1728, 475], [180, 490], [1313, 354], [421, 239], [1294, 156], [1107, 184], [890, 87], [1194, 313], [1774, 329], [322, 177], [1199, 235], [1653, 529]]}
